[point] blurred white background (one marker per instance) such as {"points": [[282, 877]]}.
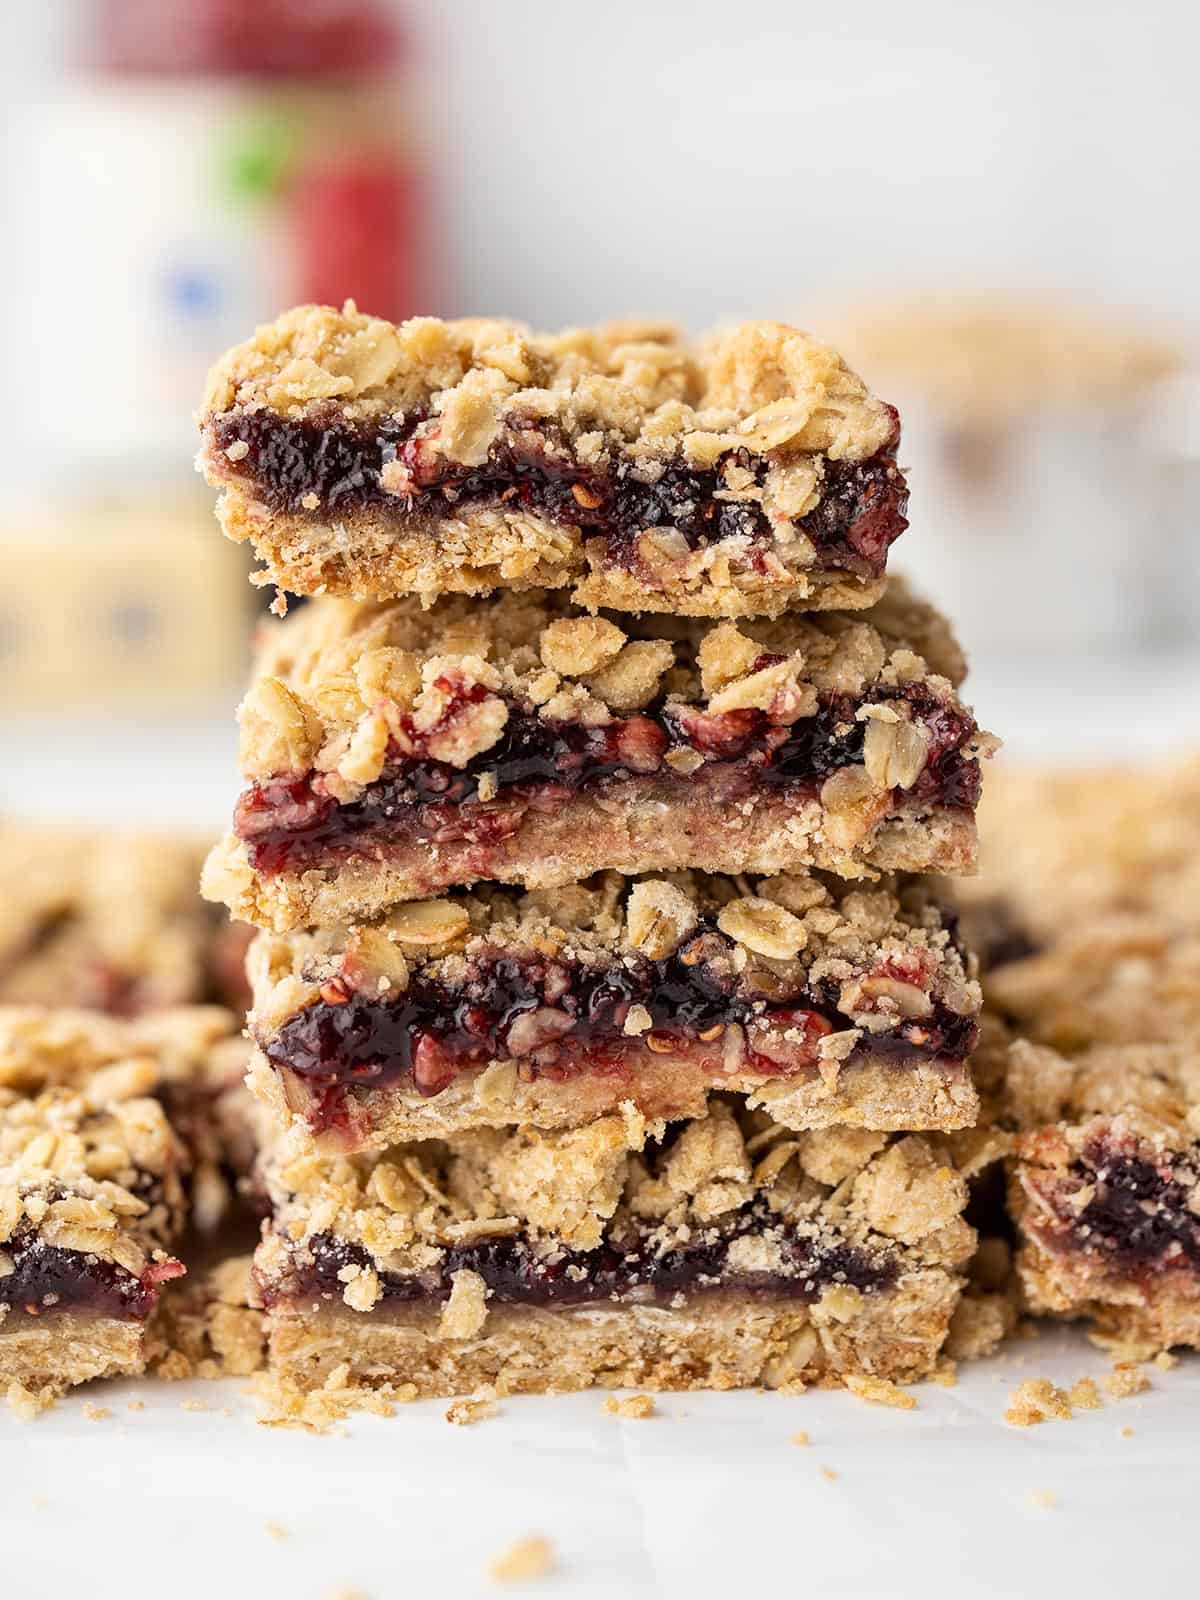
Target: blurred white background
{"points": [[696, 161]]}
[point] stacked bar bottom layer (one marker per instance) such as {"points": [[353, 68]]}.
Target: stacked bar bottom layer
{"points": [[713, 1253]]}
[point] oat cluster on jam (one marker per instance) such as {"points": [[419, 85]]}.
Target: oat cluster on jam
{"points": [[619, 1208], [768, 977], [735, 476]]}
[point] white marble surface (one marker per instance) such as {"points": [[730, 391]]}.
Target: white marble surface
{"points": [[708, 1498]]}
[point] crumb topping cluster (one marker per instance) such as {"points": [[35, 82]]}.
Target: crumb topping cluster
{"points": [[96, 1099], [345, 688], [1061, 849], [572, 1190], [97, 1172], [1116, 980], [632, 388], [185, 1047], [882, 955], [111, 921]]}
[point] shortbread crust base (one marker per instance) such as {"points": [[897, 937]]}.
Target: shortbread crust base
{"points": [[366, 555], [873, 1092], [721, 1340], [1148, 1317], [65, 1348], [583, 837]]}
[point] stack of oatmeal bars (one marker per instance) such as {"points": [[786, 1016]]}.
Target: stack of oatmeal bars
{"points": [[606, 1025]]}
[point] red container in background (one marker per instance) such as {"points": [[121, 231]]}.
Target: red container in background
{"points": [[223, 159]]}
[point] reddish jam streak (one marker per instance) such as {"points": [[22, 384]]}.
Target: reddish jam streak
{"points": [[291, 824]]}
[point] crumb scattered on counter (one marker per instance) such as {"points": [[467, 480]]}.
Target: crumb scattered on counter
{"points": [[1126, 1379], [136, 1405], [1044, 1499], [829, 1474], [1037, 1400], [801, 1437], [1084, 1395], [880, 1392], [284, 1405], [96, 1413], [636, 1407], [1127, 1433], [1164, 1361], [473, 1408], [277, 1531], [527, 1558], [28, 1403]]}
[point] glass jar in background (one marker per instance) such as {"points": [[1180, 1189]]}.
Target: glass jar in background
{"points": [[205, 165], [1037, 503]]}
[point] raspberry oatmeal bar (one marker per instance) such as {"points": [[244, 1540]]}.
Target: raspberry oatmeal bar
{"points": [[825, 1002], [63, 1069], [112, 922], [1105, 1188], [96, 1182], [742, 476], [720, 1252], [394, 752]]}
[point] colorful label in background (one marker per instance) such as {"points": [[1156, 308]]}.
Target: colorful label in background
{"points": [[192, 210]]}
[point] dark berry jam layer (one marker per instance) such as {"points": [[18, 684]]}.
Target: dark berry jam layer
{"points": [[1140, 1218], [626, 1267], [561, 1020], [45, 1279], [319, 467], [290, 825]]}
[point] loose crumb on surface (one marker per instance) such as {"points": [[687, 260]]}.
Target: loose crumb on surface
{"points": [[344, 1593], [1044, 1499], [28, 1403], [1126, 1379], [880, 1392], [528, 1558], [96, 1413], [285, 1405], [1164, 1361], [829, 1474], [1037, 1400], [473, 1408], [1084, 1395], [1127, 1433], [801, 1437], [277, 1531], [136, 1405], [636, 1407], [193, 1405]]}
